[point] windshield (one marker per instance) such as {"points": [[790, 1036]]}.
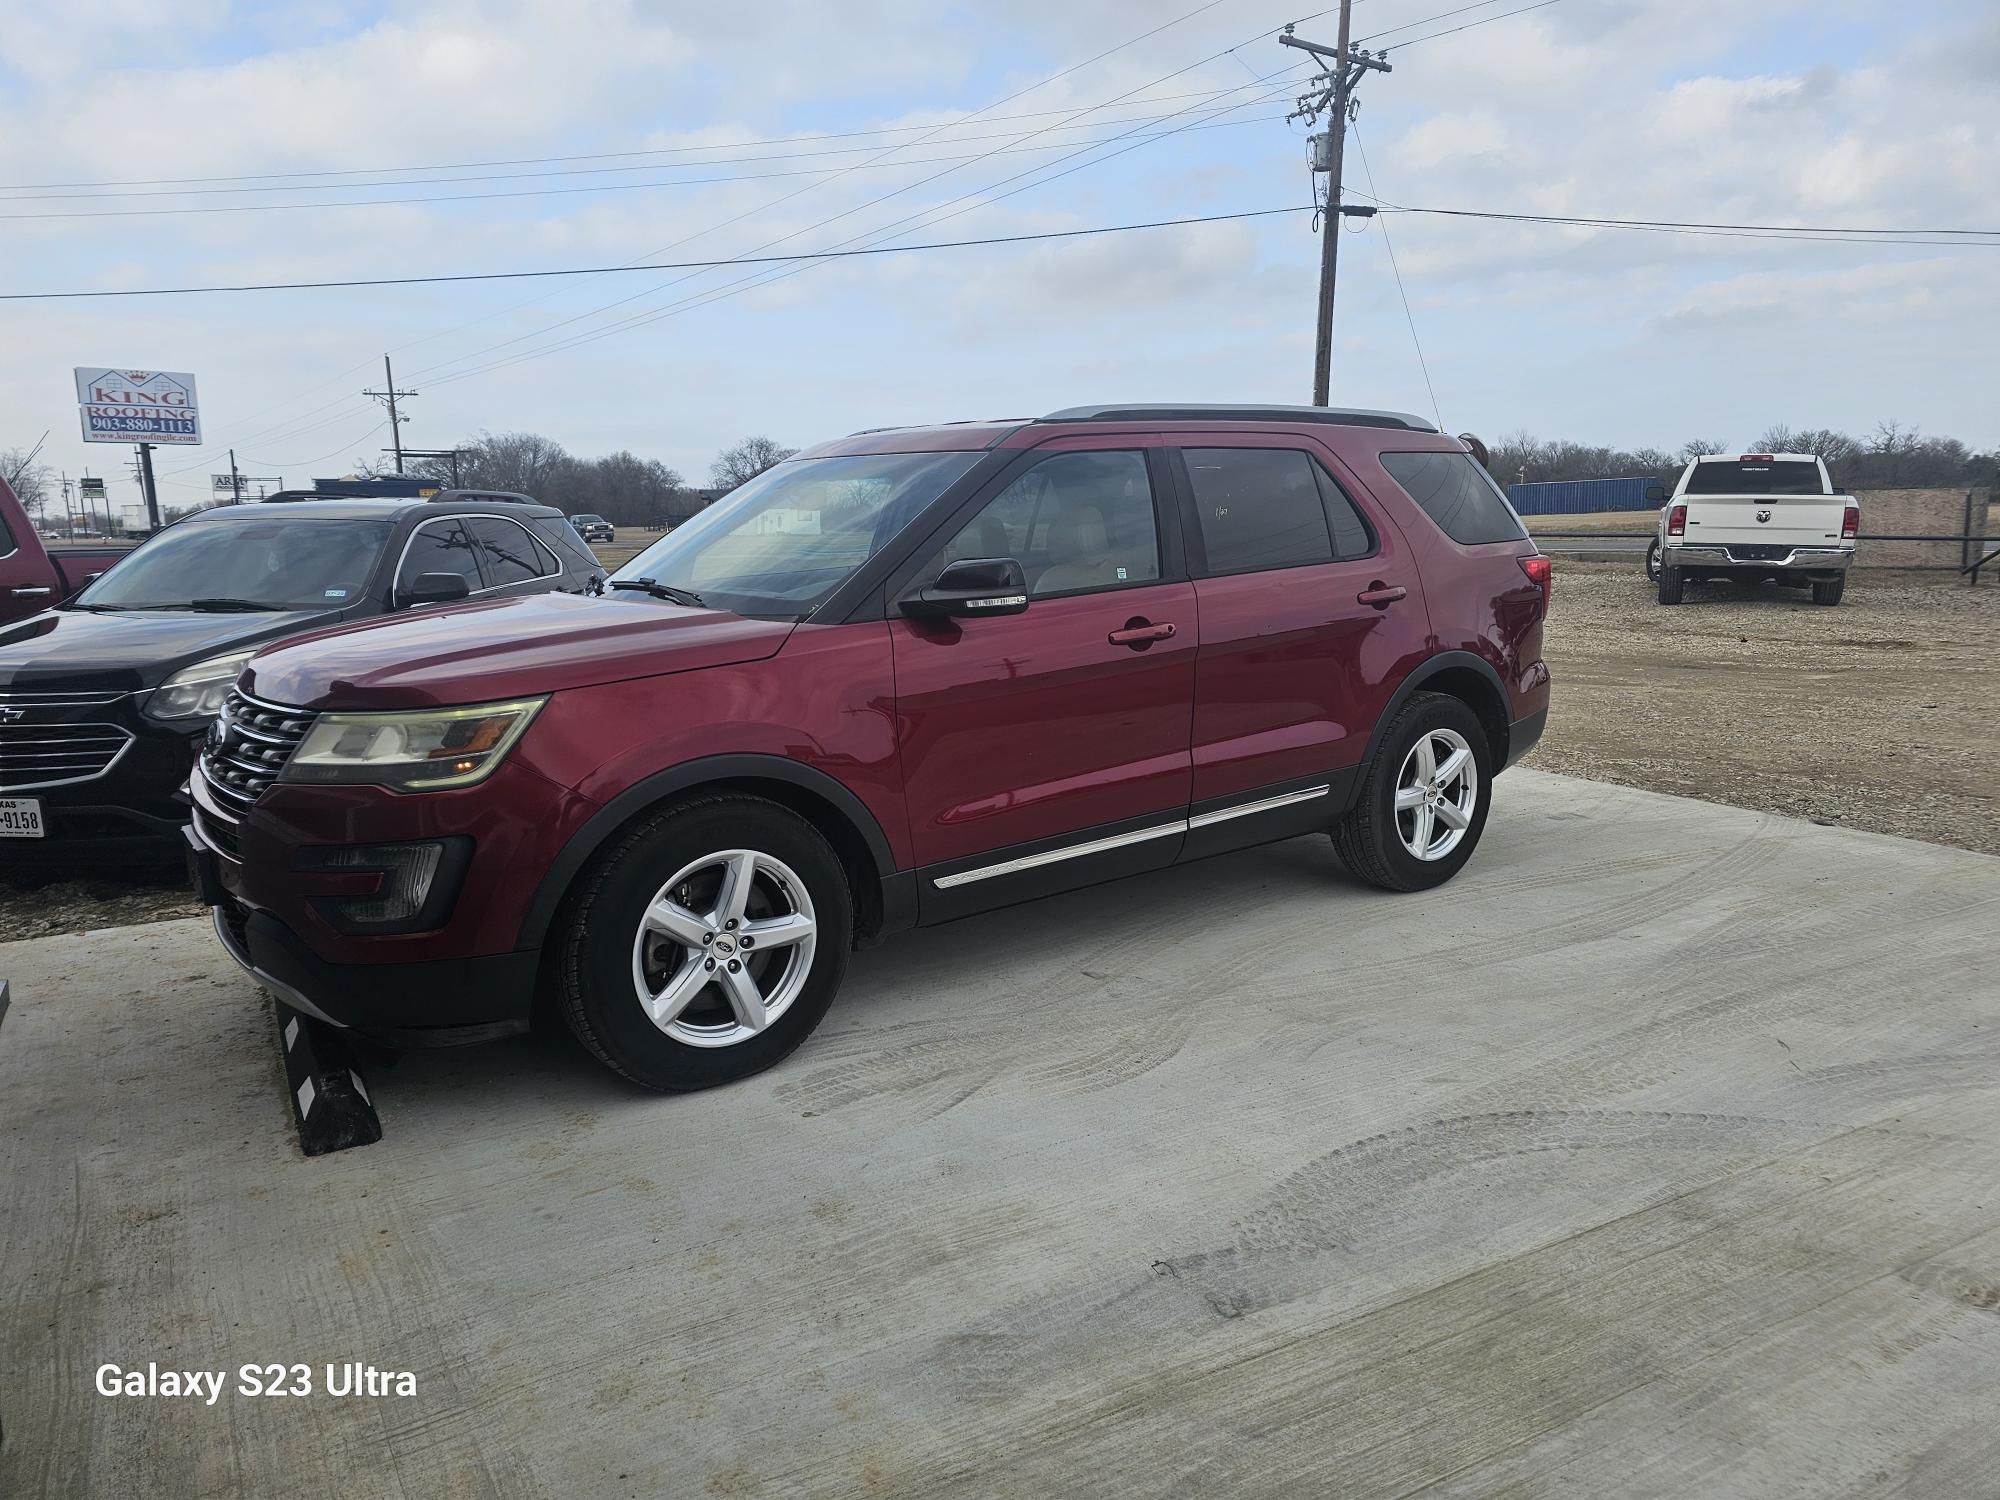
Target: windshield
{"points": [[1755, 476], [780, 544], [587, 519], [291, 562]]}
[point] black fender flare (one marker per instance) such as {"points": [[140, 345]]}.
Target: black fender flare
{"points": [[1424, 671], [689, 776]]}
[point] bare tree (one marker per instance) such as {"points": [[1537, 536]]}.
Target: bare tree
{"points": [[745, 461], [30, 481]]}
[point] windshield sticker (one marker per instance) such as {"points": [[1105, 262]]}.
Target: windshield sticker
{"points": [[336, 593]]}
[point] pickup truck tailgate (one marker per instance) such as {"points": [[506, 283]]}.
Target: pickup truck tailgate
{"points": [[1779, 520]]}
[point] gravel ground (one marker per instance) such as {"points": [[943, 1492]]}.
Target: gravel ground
{"points": [[1880, 714]]}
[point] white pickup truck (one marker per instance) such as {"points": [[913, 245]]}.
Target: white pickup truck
{"points": [[1748, 517]]}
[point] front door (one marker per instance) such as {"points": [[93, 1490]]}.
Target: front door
{"points": [[1050, 749]]}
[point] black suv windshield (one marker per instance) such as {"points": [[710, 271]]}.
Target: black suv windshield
{"points": [[779, 545], [289, 562], [587, 520]]}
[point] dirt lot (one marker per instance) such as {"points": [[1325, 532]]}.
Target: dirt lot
{"points": [[1880, 714]]}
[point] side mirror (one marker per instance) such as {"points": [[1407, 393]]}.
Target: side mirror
{"points": [[434, 588], [1656, 493], [969, 588]]}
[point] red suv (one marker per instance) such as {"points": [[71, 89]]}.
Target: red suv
{"points": [[903, 676]]}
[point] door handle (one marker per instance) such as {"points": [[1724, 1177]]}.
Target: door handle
{"points": [[1139, 634], [1380, 594], [31, 593]]}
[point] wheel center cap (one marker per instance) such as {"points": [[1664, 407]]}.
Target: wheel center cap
{"points": [[725, 945]]}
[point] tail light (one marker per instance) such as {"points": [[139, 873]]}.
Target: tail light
{"points": [[1542, 574], [1850, 522], [1677, 521]]}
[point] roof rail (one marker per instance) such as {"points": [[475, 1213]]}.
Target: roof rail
{"points": [[1219, 412], [504, 497]]}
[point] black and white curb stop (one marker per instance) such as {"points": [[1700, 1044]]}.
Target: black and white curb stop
{"points": [[329, 1100]]}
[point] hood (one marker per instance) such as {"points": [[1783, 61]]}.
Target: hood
{"points": [[507, 648], [132, 649]]}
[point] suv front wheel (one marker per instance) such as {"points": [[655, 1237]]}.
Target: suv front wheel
{"points": [[707, 944], [1423, 798]]}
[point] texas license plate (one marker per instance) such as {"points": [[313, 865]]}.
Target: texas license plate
{"points": [[21, 818]]}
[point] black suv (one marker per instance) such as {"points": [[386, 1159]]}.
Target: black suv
{"points": [[104, 699]]}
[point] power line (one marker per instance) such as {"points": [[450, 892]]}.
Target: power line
{"points": [[1803, 233], [1482, 21], [537, 161], [1396, 271], [544, 192], [802, 255]]}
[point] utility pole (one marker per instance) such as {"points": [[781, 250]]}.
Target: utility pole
{"points": [[1332, 93], [235, 481], [388, 396]]}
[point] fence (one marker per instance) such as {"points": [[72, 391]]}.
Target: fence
{"points": [[1581, 497]]}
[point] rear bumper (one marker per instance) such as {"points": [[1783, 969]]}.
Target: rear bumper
{"points": [[1762, 557], [1523, 735]]}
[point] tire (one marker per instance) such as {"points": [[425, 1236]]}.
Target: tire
{"points": [[690, 852], [1653, 560], [1829, 590], [1671, 585], [1372, 840]]}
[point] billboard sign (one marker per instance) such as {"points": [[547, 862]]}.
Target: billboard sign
{"points": [[137, 406], [90, 489]]}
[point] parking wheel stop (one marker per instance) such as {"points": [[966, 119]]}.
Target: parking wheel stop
{"points": [[330, 1100]]}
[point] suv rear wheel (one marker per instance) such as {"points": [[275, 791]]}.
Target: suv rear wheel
{"points": [[1423, 798], [707, 944]]}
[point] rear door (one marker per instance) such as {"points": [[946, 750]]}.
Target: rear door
{"points": [[28, 583], [1049, 749], [1310, 608]]}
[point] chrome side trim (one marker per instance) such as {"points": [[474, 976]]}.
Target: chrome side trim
{"points": [[1284, 799], [1054, 856], [277, 987], [1121, 840]]}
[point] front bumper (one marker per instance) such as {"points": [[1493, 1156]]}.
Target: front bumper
{"points": [[1764, 557], [427, 1002]]}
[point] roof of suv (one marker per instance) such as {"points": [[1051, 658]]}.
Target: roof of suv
{"points": [[960, 437], [345, 509]]}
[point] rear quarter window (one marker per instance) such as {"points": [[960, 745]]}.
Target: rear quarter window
{"points": [[1456, 493]]}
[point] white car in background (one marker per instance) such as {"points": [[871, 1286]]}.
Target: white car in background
{"points": [[1752, 517]]}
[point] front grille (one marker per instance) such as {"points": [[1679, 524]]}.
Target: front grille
{"points": [[247, 747], [33, 755]]}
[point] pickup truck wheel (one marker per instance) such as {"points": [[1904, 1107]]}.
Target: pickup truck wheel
{"points": [[1423, 798], [1653, 560], [1671, 585], [706, 944], [1829, 590]]}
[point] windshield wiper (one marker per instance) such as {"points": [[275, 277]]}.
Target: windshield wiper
{"points": [[659, 590], [225, 605]]}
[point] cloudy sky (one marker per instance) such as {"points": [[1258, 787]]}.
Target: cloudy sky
{"points": [[148, 145]]}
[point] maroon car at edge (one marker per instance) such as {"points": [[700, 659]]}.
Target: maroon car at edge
{"points": [[902, 677]]}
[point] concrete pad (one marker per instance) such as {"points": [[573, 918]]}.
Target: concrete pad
{"points": [[1655, 1156]]}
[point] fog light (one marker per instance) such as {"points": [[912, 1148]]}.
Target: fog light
{"points": [[418, 883]]}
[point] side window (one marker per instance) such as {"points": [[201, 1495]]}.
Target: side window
{"points": [[1075, 522], [1457, 494], [1259, 508], [440, 547], [1351, 536], [511, 554]]}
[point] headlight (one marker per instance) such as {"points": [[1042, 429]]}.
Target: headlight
{"points": [[197, 692], [418, 751]]}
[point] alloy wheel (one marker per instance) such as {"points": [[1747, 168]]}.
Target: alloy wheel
{"points": [[1437, 793], [724, 948]]}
